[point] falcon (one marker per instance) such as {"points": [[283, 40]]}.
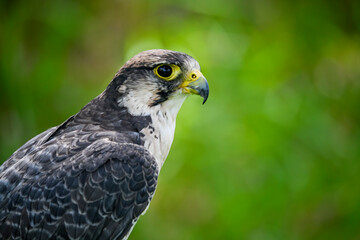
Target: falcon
{"points": [[94, 175]]}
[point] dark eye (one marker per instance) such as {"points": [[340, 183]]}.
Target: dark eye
{"points": [[164, 71], [167, 72]]}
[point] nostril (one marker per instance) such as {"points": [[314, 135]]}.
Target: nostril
{"points": [[193, 76]]}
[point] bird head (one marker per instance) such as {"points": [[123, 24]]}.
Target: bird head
{"points": [[158, 78]]}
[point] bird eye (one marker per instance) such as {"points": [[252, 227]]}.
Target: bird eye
{"points": [[167, 71], [164, 71]]}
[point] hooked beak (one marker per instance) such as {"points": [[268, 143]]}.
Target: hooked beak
{"points": [[197, 85]]}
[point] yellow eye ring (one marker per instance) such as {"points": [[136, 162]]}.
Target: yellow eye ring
{"points": [[167, 71]]}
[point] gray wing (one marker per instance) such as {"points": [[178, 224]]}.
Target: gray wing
{"points": [[25, 149], [99, 193]]}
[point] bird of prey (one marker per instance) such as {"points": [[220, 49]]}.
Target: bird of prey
{"points": [[94, 175]]}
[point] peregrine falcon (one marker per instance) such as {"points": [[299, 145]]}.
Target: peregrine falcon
{"points": [[94, 175]]}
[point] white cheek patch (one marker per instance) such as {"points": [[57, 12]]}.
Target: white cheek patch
{"points": [[137, 100]]}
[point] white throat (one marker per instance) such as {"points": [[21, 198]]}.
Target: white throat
{"points": [[159, 135]]}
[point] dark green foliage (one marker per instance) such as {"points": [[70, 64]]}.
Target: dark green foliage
{"points": [[273, 154]]}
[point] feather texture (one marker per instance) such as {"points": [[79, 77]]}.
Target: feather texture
{"points": [[95, 174]]}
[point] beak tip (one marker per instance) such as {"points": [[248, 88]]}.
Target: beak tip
{"points": [[205, 92], [205, 98]]}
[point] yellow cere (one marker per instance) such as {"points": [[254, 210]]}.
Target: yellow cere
{"points": [[192, 77]]}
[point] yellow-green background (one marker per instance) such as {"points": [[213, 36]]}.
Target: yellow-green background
{"points": [[273, 154]]}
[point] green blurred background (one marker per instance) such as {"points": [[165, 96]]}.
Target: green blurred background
{"points": [[273, 154]]}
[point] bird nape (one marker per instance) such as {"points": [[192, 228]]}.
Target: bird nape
{"points": [[94, 175]]}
